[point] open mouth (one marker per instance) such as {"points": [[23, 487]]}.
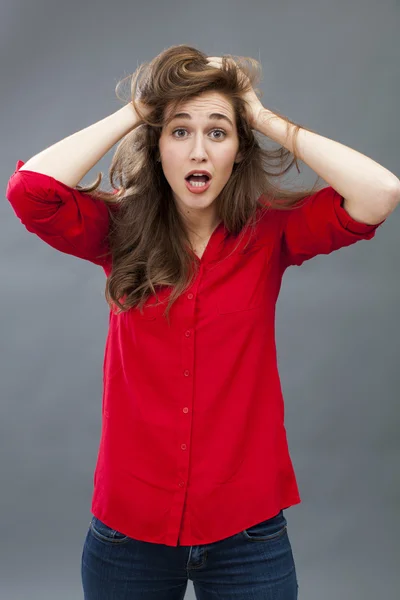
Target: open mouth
{"points": [[197, 184], [198, 180]]}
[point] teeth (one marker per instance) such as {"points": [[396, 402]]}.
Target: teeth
{"points": [[197, 183]]}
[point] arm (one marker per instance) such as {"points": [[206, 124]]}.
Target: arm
{"points": [[370, 191], [70, 159], [320, 225], [43, 195]]}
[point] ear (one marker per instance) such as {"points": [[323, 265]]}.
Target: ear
{"points": [[239, 157]]}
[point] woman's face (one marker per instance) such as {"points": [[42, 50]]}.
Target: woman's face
{"points": [[199, 141]]}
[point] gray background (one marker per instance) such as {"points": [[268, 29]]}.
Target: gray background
{"points": [[333, 67]]}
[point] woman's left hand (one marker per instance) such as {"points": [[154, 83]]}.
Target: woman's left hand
{"points": [[254, 107]]}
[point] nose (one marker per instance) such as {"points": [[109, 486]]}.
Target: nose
{"points": [[198, 151]]}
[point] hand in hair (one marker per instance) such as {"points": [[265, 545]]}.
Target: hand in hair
{"points": [[254, 106], [143, 108]]}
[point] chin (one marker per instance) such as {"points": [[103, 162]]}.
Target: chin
{"points": [[199, 201], [192, 200]]}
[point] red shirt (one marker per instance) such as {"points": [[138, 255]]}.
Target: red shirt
{"points": [[193, 444]]}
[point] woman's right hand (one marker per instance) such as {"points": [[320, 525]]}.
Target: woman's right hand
{"points": [[144, 108]]}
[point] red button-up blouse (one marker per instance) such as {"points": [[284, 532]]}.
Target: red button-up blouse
{"points": [[193, 444]]}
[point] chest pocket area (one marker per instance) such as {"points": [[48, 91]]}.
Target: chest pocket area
{"points": [[149, 312], [242, 282], [154, 308]]}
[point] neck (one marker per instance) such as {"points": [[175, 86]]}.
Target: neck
{"points": [[201, 226]]}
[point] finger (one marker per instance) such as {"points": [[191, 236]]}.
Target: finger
{"points": [[215, 61]]}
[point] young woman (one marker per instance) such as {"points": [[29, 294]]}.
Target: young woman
{"points": [[193, 471]]}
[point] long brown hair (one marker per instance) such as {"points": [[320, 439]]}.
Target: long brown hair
{"points": [[147, 240]]}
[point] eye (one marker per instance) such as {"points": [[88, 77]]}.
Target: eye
{"points": [[220, 131], [180, 129]]}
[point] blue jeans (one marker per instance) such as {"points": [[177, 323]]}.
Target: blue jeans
{"points": [[255, 564]]}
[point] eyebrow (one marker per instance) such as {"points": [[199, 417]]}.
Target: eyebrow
{"points": [[212, 116]]}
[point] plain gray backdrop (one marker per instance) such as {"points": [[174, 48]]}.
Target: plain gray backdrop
{"points": [[331, 66]]}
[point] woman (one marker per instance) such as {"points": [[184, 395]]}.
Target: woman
{"points": [[193, 471]]}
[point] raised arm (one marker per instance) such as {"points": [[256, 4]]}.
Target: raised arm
{"points": [[70, 159], [43, 195]]}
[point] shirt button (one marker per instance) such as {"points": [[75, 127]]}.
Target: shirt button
{"points": [[187, 333], [190, 296], [186, 373], [181, 483], [186, 410], [183, 446]]}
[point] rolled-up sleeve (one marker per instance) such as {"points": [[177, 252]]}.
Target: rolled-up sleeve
{"points": [[320, 225], [67, 219]]}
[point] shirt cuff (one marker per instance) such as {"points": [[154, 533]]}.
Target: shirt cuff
{"points": [[347, 222]]}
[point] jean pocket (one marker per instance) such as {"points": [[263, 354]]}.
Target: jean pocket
{"points": [[104, 533], [270, 529]]}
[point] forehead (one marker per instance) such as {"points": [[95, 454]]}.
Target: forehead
{"points": [[202, 106]]}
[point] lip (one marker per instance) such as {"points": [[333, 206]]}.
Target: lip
{"points": [[197, 189], [202, 172]]}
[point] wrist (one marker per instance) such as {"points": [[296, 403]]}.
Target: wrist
{"points": [[129, 116], [273, 126]]}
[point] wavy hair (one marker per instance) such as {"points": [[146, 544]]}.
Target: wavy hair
{"points": [[147, 240]]}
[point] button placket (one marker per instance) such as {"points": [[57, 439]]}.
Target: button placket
{"points": [[188, 357], [187, 372]]}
